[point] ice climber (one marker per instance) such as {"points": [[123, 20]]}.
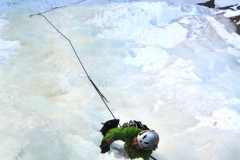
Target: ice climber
{"points": [[138, 143]]}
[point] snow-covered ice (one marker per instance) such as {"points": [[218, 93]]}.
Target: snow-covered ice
{"points": [[173, 66]]}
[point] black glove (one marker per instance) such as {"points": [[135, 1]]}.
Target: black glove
{"points": [[104, 147]]}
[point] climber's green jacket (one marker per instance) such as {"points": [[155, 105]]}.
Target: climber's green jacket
{"points": [[127, 134]]}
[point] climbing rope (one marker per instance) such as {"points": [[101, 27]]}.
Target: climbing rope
{"points": [[98, 91], [58, 7]]}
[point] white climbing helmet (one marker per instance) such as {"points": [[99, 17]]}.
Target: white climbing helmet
{"points": [[148, 139]]}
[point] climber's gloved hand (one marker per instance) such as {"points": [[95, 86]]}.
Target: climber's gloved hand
{"points": [[104, 147]]}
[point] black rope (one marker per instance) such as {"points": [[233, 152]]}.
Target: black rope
{"points": [[153, 158], [58, 7], [98, 91]]}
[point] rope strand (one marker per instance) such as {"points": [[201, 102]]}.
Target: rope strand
{"points": [[58, 7], [98, 91]]}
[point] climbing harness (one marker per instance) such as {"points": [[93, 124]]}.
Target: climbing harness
{"points": [[137, 124]]}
